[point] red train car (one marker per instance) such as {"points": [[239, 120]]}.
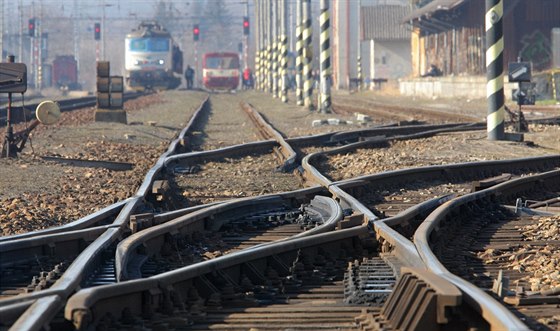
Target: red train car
{"points": [[220, 71], [65, 72]]}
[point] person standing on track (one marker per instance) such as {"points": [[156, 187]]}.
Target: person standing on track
{"points": [[189, 76], [247, 79]]}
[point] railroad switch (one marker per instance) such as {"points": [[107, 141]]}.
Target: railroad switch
{"points": [[141, 221], [351, 221], [159, 189]]}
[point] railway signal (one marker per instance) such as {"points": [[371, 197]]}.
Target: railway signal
{"points": [[31, 27], [97, 31], [245, 25], [196, 32]]}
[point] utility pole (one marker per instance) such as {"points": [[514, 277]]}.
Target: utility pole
{"points": [[76, 36], [269, 46], [359, 49], [308, 56], [20, 51], [39, 45], [284, 51], [2, 28], [103, 30], [299, 53], [495, 69], [325, 58], [246, 37], [257, 46], [274, 48]]}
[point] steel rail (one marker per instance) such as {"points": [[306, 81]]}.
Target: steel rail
{"points": [[37, 316], [151, 239], [10, 313], [89, 258], [265, 146], [87, 306], [101, 216], [65, 105], [182, 139], [405, 131], [286, 151], [495, 313]]}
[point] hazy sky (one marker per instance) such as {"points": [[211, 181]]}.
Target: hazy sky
{"points": [[113, 8]]}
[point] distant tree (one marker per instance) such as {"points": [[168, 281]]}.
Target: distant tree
{"points": [[166, 14], [217, 23]]}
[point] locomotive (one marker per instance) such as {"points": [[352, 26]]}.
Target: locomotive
{"points": [[152, 59], [65, 72], [220, 71]]}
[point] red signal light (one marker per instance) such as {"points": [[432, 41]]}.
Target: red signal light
{"points": [[31, 27], [196, 32], [97, 31], [245, 25]]}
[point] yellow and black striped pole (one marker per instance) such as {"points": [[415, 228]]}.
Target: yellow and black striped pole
{"points": [[270, 75], [284, 51], [325, 58], [307, 55], [275, 41], [270, 43], [359, 50], [360, 78], [299, 54], [257, 70], [495, 69]]}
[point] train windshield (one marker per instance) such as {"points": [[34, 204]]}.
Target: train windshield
{"points": [[149, 44], [222, 62]]}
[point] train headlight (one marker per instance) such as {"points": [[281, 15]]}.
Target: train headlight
{"points": [[161, 62]]}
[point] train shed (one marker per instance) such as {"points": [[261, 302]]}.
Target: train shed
{"points": [[450, 34]]}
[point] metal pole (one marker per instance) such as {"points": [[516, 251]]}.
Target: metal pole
{"points": [[359, 59], [284, 51], [246, 41], [103, 33], [274, 40], [261, 45], [39, 43], [299, 54], [270, 41], [196, 64], [76, 21], [325, 58], [257, 45], [2, 25], [20, 52], [9, 145], [308, 56], [495, 69]]}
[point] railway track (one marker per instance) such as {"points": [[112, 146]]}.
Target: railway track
{"points": [[481, 220], [509, 251], [18, 115], [195, 261]]}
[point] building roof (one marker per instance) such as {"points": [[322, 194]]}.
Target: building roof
{"points": [[383, 22], [431, 8]]}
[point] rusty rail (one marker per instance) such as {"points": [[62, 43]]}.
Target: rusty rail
{"points": [[495, 313]]}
